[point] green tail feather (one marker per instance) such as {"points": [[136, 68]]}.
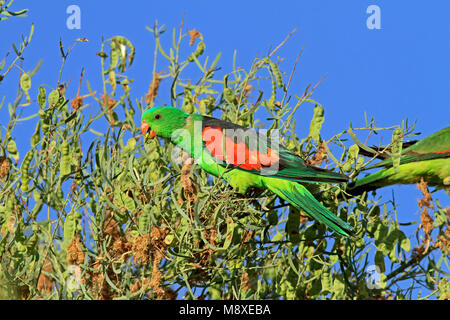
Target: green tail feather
{"points": [[302, 199]]}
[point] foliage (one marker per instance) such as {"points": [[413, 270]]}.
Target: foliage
{"points": [[6, 14], [86, 214]]}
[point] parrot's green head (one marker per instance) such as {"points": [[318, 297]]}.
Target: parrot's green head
{"points": [[162, 121]]}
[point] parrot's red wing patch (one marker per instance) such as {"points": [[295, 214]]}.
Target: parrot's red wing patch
{"points": [[443, 151], [237, 152]]}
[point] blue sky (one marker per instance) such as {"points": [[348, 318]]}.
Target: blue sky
{"points": [[394, 73], [400, 71]]}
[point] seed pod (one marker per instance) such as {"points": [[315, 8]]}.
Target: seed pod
{"points": [[325, 279], [353, 151], [12, 150], [24, 171], [21, 248], [120, 42], [405, 243], [42, 97], [276, 72], [70, 227], [198, 51], [229, 235], [316, 123], [5, 167], [209, 102], [359, 163], [144, 221], [64, 166], [128, 202], [112, 81], [397, 143], [7, 214], [36, 137], [59, 194], [32, 242], [37, 196], [338, 286], [46, 125], [113, 59], [229, 95], [381, 231], [352, 155], [42, 114], [129, 147], [53, 98], [202, 106], [10, 203], [188, 101], [25, 84]]}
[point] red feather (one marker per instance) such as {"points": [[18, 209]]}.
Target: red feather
{"points": [[443, 151], [237, 154]]}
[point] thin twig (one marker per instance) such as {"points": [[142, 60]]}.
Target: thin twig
{"points": [[282, 43], [291, 75]]}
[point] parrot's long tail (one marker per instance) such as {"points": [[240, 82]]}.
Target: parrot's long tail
{"points": [[302, 199]]}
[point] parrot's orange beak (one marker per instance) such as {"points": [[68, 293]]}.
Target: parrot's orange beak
{"points": [[145, 127]]}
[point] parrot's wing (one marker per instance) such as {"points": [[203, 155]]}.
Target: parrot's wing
{"points": [[382, 154], [237, 147]]}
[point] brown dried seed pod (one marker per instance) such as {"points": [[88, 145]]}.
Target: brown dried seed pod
{"points": [[141, 249], [108, 102], [5, 166], [153, 88], [45, 283], [194, 34], [75, 254], [76, 103]]}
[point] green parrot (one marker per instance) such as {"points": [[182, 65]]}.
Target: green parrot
{"points": [[428, 159], [245, 159]]}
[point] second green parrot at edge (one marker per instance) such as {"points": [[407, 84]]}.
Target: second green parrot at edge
{"points": [[243, 165], [428, 158]]}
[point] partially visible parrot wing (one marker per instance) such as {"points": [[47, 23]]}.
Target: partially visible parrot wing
{"points": [[383, 155], [434, 146], [427, 159]]}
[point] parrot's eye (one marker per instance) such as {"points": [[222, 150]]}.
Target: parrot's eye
{"points": [[157, 117]]}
